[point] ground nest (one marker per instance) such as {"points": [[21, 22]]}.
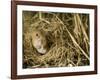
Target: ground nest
{"points": [[67, 35]]}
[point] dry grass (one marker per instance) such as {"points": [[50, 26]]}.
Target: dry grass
{"points": [[67, 35]]}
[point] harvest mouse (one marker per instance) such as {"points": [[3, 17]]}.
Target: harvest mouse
{"points": [[39, 41]]}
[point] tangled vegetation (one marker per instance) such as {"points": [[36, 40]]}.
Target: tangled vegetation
{"points": [[67, 35]]}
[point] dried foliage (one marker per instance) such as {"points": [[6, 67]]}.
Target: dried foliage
{"points": [[67, 35]]}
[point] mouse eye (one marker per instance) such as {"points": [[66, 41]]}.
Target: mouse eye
{"points": [[36, 34]]}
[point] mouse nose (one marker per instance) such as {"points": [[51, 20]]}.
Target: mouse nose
{"points": [[39, 47]]}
